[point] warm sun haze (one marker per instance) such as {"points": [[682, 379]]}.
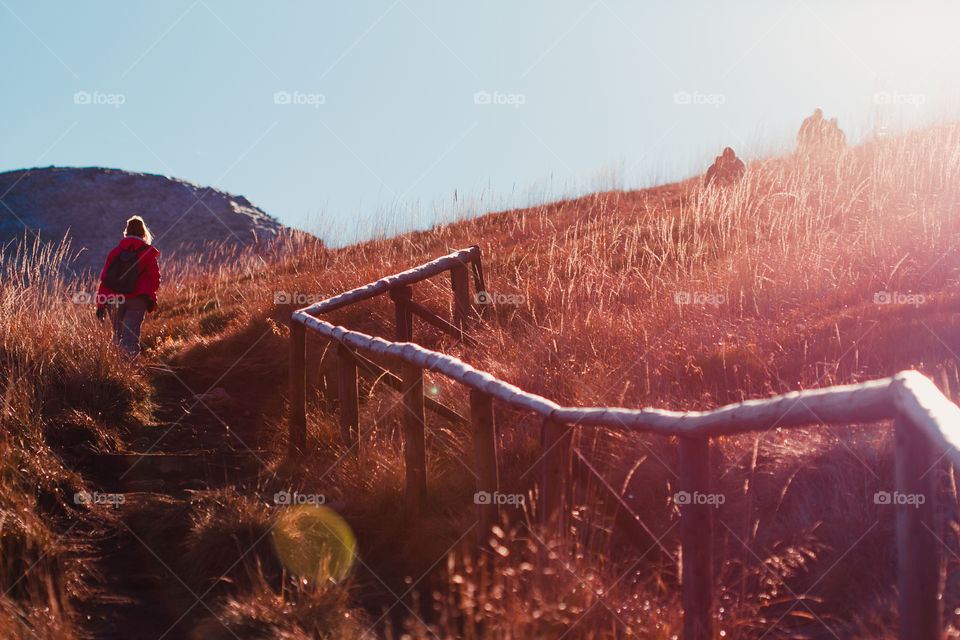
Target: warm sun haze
{"points": [[409, 320], [806, 271], [353, 119]]}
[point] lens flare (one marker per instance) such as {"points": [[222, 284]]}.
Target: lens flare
{"points": [[314, 543]]}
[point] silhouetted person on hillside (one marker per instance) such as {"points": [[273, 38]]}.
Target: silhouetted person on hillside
{"points": [[837, 139], [726, 169], [129, 284], [811, 131], [820, 138]]}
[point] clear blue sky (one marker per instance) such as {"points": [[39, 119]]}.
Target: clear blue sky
{"points": [[384, 121]]}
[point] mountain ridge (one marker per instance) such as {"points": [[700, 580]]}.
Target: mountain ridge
{"points": [[90, 205]]}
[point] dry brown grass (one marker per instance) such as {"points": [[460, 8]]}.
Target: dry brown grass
{"points": [[64, 394], [794, 254], [798, 251]]}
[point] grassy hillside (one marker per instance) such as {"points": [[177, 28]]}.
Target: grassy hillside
{"points": [[808, 273]]}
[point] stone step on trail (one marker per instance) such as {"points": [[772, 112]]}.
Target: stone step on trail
{"points": [[170, 472], [142, 598]]}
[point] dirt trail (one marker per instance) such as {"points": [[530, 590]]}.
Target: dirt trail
{"points": [[194, 445]]}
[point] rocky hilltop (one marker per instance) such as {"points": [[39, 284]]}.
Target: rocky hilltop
{"points": [[92, 204]]}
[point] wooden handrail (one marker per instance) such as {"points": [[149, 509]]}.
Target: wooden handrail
{"points": [[842, 404], [927, 428], [920, 401], [383, 285]]}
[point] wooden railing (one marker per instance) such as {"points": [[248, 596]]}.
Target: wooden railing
{"points": [[926, 426]]}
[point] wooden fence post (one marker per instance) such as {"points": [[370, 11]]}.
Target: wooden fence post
{"points": [[920, 574], [484, 461], [480, 287], [298, 388], [460, 281], [414, 443], [556, 442], [349, 398], [404, 314], [696, 529]]}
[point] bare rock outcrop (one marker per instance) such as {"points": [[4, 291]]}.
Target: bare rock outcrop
{"points": [[91, 204]]}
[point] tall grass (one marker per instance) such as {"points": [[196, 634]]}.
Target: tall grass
{"points": [[64, 394], [792, 261], [787, 275]]}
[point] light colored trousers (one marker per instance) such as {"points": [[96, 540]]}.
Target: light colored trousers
{"points": [[127, 319]]}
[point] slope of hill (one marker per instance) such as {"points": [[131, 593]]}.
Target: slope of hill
{"points": [[807, 273], [91, 205]]}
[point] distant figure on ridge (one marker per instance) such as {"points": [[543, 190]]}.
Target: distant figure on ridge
{"points": [[820, 137], [129, 284], [838, 140], [726, 169], [811, 131]]}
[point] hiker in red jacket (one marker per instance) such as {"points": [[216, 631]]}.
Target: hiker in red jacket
{"points": [[128, 285]]}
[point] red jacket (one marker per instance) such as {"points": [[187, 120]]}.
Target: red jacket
{"points": [[149, 280]]}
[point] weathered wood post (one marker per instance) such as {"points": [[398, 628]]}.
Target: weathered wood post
{"points": [[460, 281], [920, 574], [482, 296], [404, 315], [556, 442], [298, 388], [414, 442], [696, 529], [484, 461], [349, 398], [411, 377]]}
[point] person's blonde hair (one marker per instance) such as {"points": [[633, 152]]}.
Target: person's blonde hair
{"points": [[137, 227]]}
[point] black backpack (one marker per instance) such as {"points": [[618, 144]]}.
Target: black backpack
{"points": [[124, 271]]}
